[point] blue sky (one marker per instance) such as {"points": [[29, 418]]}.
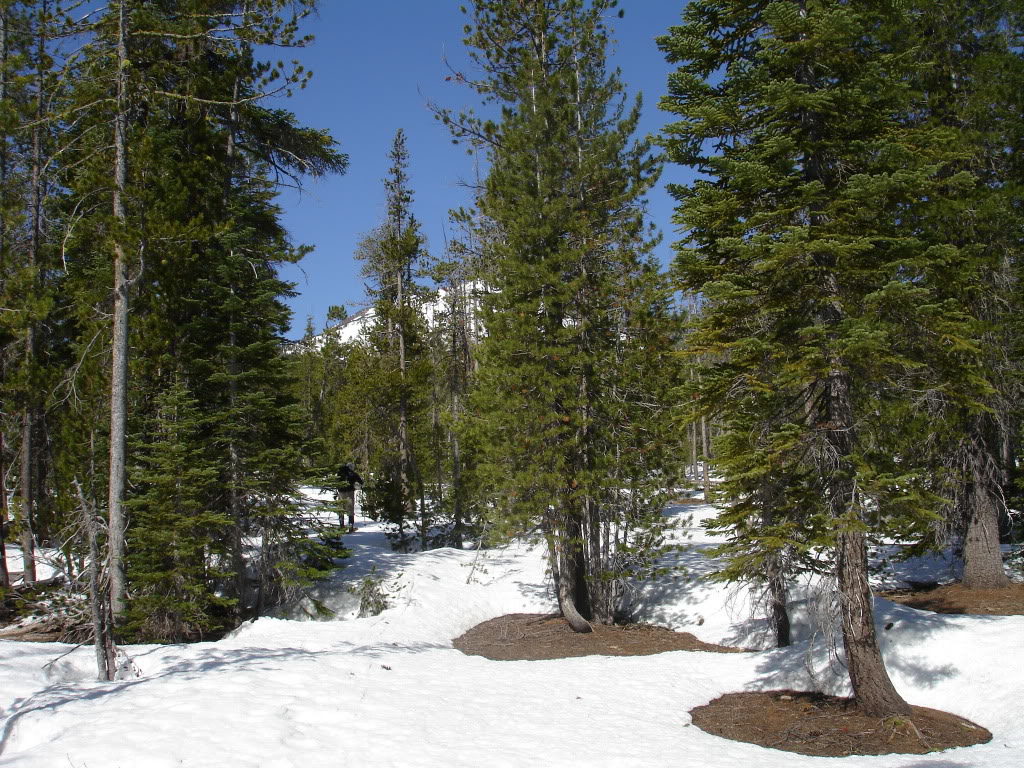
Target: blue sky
{"points": [[376, 66]]}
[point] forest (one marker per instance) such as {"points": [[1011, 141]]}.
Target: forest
{"points": [[833, 358]]}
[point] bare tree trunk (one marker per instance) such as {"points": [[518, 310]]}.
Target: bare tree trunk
{"points": [[565, 543], [28, 539], [5, 576], [119, 342], [778, 598], [778, 594], [28, 431], [404, 452], [234, 460], [872, 688], [458, 525], [694, 467], [106, 655], [708, 494]]}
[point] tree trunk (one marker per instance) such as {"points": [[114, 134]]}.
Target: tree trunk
{"points": [[106, 656], [119, 342], [778, 595], [694, 466], [705, 449], [28, 431], [458, 526], [28, 539], [569, 570], [778, 599], [5, 576], [404, 449], [983, 561], [873, 690]]}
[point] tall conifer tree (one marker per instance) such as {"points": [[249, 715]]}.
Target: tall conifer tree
{"points": [[393, 255], [798, 113], [567, 263]]}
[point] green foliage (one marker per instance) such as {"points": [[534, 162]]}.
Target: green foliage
{"points": [[839, 239], [372, 594], [566, 415], [176, 530], [213, 432]]}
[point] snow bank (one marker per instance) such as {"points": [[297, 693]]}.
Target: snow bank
{"points": [[390, 690]]}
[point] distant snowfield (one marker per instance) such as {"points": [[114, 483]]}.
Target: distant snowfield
{"points": [[391, 691]]}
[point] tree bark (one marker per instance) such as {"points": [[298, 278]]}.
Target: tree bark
{"points": [[28, 431], [119, 343], [705, 449], [872, 688], [5, 576], [694, 466], [106, 656], [570, 574], [778, 594], [28, 539], [983, 561], [778, 598], [234, 460]]}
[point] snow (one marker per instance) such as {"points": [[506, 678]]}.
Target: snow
{"points": [[433, 309], [390, 690], [47, 562]]}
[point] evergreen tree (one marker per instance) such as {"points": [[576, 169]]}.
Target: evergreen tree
{"points": [[551, 421], [799, 114], [392, 257], [970, 90], [202, 236], [177, 528]]}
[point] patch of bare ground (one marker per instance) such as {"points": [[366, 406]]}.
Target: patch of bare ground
{"points": [[829, 726], [533, 636], [956, 598]]}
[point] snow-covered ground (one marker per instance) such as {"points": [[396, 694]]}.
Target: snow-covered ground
{"points": [[391, 691]]}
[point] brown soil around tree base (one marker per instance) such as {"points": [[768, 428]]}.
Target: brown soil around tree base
{"points": [[956, 598], [829, 726], [533, 636]]}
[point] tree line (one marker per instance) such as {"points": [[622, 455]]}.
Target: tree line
{"points": [[143, 379], [839, 329], [837, 338]]}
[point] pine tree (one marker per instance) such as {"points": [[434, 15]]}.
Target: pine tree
{"points": [[201, 236], [176, 530], [799, 114], [392, 257], [970, 90], [568, 259]]}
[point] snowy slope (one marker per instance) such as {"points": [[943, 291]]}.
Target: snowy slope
{"points": [[390, 690], [433, 309]]}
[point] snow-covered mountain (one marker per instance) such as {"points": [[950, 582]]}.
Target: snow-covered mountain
{"points": [[435, 309]]}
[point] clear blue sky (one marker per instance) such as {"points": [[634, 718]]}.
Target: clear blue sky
{"points": [[376, 66]]}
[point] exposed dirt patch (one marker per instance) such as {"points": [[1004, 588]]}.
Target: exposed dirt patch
{"points": [[532, 636], [815, 724], [956, 598]]}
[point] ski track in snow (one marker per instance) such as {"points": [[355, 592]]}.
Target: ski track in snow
{"points": [[391, 691]]}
